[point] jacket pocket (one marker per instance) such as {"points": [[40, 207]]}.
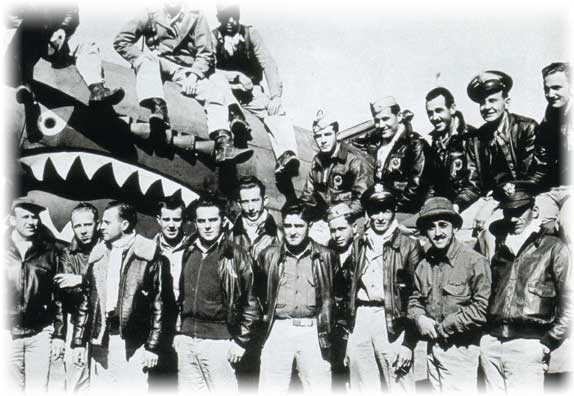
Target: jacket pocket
{"points": [[540, 300]]}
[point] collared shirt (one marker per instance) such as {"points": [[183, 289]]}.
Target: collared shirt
{"points": [[175, 255], [206, 250], [115, 258], [296, 296], [252, 227], [515, 242], [372, 277], [22, 245], [453, 288], [383, 152]]}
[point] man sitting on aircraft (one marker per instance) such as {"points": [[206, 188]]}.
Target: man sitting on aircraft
{"points": [[243, 59], [180, 50], [48, 32]]}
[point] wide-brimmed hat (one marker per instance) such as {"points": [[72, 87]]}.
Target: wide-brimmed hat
{"points": [[486, 83], [438, 208]]}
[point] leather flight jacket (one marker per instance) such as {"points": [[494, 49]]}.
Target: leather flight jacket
{"points": [[33, 301], [236, 277], [145, 298], [532, 290], [553, 146], [484, 176], [267, 234], [401, 255], [408, 172], [449, 155], [270, 266], [342, 178]]}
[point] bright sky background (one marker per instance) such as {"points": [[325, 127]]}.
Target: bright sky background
{"points": [[341, 55]]}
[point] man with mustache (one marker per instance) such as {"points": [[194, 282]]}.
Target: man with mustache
{"points": [[218, 311], [339, 173], [34, 313], [403, 158], [449, 300], [294, 287], [342, 226], [382, 340], [554, 143], [530, 309], [72, 281], [501, 149]]}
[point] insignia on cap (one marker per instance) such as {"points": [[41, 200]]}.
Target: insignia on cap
{"points": [[509, 189]]}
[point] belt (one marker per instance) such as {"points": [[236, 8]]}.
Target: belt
{"points": [[301, 322], [112, 323], [362, 303]]}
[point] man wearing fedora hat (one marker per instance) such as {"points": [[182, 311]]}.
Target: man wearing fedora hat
{"points": [[339, 173], [501, 149], [530, 308], [402, 158], [382, 340], [449, 301], [343, 229], [33, 304]]}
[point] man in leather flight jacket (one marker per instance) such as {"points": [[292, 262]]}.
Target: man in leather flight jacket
{"points": [[501, 149], [130, 303], [403, 158], [384, 261], [530, 308], [294, 287], [218, 311], [33, 304]]}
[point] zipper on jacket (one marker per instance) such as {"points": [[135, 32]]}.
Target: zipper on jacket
{"points": [[196, 293]]}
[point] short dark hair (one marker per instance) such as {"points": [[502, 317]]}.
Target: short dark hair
{"points": [[126, 212], [209, 201], [440, 91], [296, 207], [171, 204], [558, 67], [85, 207], [248, 182]]}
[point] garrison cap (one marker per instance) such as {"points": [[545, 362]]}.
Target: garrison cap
{"points": [[379, 105], [486, 83], [28, 204], [338, 210], [323, 120], [515, 194], [376, 197]]}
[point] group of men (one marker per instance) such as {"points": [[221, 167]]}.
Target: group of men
{"points": [[365, 264], [223, 70]]}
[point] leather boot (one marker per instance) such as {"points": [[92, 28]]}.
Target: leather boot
{"points": [[24, 94], [287, 164], [101, 95], [225, 153], [239, 126]]}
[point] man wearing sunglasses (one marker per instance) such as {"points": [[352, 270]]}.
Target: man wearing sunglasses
{"points": [[530, 306]]}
